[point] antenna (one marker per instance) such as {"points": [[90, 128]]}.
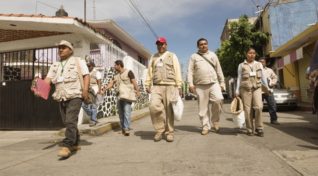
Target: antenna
{"points": [[84, 10], [94, 10]]}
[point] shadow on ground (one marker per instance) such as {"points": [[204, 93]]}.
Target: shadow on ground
{"points": [[305, 131], [145, 135]]}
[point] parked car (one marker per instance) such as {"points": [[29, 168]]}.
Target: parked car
{"points": [[284, 99], [190, 96]]}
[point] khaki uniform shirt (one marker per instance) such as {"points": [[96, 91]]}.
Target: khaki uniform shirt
{"points": [[65, 76], [200, 72], [270, 76], [250, 75], [164, 69]]}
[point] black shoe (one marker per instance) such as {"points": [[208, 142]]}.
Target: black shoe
{"points": [[259, 132], [275, 122]]}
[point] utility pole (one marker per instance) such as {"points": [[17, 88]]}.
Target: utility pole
{"points": [[85, 11], [94, 10]]}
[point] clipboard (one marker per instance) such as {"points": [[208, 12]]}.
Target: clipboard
{"points": [[42, 89]]}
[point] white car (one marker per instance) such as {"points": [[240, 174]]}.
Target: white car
{"points": [[284, 98]]}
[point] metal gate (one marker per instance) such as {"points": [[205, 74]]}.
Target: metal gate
{"points": [[19, 108]]}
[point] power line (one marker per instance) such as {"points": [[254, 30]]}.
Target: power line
{"points": [[254, 3], [45, 4], [143, 18]]}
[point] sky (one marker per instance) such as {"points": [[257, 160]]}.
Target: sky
{"points": [[182, 22]]}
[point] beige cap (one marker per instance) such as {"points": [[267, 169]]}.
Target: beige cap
{"points": [[66, 43]]}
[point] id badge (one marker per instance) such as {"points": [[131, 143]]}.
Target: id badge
{"points": [[60, 79], [252, 74], [159, 64]]}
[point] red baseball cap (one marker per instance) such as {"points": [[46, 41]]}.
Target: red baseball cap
{"points": [[161, 40]]}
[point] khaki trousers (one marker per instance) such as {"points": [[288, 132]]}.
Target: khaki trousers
{"points": [[210, 103], [253, 106], [161, 108]]}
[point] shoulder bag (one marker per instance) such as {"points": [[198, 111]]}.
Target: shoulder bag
{"points": [[126, 91]]}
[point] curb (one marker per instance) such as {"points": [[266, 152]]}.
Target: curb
{"points": [[107, 124]]}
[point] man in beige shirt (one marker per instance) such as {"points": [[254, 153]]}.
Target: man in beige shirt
{"points": [[70, 91], [164, 83], [269, 97], [205, 77]]}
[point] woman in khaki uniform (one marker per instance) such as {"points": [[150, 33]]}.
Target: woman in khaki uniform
{"points": [[249, 82]]}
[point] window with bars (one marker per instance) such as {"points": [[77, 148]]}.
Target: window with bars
{"points": [[24, 64]]}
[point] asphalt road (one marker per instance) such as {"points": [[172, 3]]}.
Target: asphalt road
{"points": [[288, 149]]}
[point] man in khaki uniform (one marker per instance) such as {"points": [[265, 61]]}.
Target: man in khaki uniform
{"points": [[126, 77], [206, 79], [70, 90], [90, 108], [268, 96], [163, 81]]}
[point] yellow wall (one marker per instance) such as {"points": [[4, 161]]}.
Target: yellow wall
{"points": [[291, 77], [304, 83], [295, 76], [291, 80], [306, 95]]}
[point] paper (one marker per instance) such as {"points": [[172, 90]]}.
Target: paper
{"points": [[42, 89]]}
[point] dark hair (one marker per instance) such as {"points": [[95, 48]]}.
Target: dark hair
{"points": [[201, 39], [262, 58], [119, 62], [250, 48]]}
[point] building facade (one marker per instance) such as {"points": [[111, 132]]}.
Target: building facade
{"points": [[28, 46]]}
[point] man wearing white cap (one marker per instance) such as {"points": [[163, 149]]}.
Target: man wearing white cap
{"points": [[163, 81], [71, 78]]}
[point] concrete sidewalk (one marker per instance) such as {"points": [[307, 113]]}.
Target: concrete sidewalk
{"points": [[288, 149], [107, 124]]}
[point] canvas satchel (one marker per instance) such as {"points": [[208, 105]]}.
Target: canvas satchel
{"points": [[126, 90], [91, 93]]}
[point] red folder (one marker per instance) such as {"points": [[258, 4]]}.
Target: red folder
{"points": [[42, 89]]}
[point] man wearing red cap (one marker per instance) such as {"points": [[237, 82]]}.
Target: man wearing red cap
{"points": [[164, 83]]}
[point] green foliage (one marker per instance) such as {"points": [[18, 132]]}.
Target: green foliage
{"points": [[243, 35]]}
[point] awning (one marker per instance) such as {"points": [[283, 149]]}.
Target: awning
{"points": [[290, 58], [308, 36]]}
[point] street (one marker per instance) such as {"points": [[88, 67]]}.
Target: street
{"points": [[288, 149]]}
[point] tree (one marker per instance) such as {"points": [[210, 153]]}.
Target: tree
{"points": [[243, 35]]}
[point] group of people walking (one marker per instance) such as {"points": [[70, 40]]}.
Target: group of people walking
{"points": [[73, 79]]}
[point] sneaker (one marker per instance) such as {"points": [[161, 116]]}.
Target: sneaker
{"points": [[169, 138], [157, 137], [216, 128], [259, 132], [275, 122], [64, 152], [204, 132], [125, 132]]}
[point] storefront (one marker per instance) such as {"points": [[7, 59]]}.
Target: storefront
{"points": [[293, 58]]}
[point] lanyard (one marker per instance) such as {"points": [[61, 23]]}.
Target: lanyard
{"points": [[63, 65], [251, 66]]}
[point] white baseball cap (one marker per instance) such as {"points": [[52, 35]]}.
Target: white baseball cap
{"points": [[66, 43]]}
